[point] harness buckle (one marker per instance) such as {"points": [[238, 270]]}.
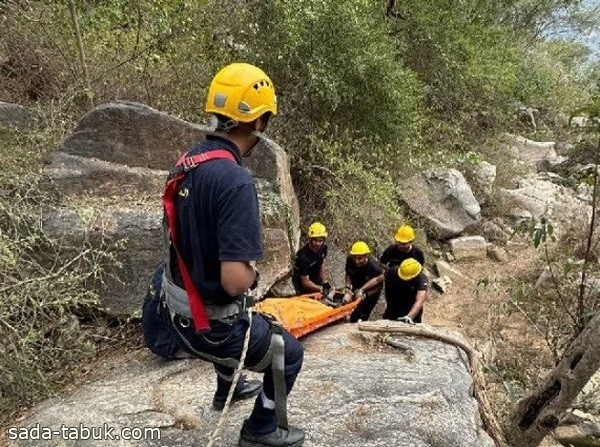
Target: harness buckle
{"points": [[188, 164]]}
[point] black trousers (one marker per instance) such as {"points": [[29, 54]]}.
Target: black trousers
{"points": [[365, 307], [226, 341]]}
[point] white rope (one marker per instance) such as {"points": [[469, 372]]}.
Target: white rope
{"points": [[236, 377]]}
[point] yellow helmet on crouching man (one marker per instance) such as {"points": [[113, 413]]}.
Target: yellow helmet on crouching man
{"points": [[405, 234], [317, 229], [242, 93], [359, 248], [409, 269]]}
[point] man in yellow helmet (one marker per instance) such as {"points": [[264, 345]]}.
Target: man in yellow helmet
{"points": [[402, 249], [215, 237], [310, 273], [406, 290], [363, 280]]}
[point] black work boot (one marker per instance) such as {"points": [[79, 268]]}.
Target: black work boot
{"points": [[244, 390], [292, 437]]}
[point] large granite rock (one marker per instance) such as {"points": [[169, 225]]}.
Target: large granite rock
{"points": [[481, 178], [468, 247], [528, 152], [132, 134], [443, 199], [112, 169], [537, 197], [352, 392]]}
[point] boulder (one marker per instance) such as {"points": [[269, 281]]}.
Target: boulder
{"points": [[529, 152], [421, 397], [497, 254], [586, 434], [495, 231], [444, 269], [133, 135], [468, 247], [77, 175], [139, 232], [443, 199], [441, 284], [536, 198], [551, 163], [113, 167], [283, 288], [482, 177]]}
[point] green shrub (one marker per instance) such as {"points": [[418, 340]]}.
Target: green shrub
{"points": [[355, 199], [42, 290]]}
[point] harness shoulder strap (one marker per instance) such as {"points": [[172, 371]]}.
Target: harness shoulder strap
{"points": [[176, 175]]}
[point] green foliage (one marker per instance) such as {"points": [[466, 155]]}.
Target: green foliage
{"points": [[354, 200], [43, 284], [539, 232], [591, 111], [347, 76], [467, 62]]}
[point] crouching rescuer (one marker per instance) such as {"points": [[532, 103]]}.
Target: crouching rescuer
{"points": [[214, 233]]}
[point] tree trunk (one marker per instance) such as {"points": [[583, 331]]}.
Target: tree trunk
{"points": [[535, 415]]}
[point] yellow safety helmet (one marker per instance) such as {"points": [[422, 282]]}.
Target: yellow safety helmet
{"points": [[317, 229], [360, 248], [405, 234], [241, 92], [409, 269]]}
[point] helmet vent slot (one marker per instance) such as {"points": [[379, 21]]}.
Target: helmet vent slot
{"points": [[220, 100]]}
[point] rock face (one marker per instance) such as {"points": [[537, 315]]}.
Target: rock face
{"points": [[418, 397], [444, 199], [529, 152], [468, 247], [112, 169], [482, 178], [536, 197]]}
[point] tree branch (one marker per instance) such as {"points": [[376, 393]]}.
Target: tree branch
{"points": [[488, 419], [588, 248]]}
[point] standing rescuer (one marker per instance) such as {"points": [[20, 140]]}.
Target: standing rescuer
{"points": [[310, 274], [402, 249], [406, 290], [215, 235], [363, 280]]}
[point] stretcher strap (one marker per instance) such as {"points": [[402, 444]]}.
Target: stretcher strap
{"points": [[278, 369]]}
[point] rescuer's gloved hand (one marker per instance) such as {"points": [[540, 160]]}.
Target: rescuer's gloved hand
{"points": [[326, 288], [348, 295], [406, 319]]}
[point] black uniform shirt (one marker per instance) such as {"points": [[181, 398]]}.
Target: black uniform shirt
{"points": [[308, 263], [393, 256], [218, 218], [401, 295], [360, 275]]}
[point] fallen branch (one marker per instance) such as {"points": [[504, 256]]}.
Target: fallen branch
{"points": [[488, 419]]}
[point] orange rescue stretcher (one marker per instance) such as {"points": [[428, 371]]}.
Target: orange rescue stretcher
{"points": [[304, 314]]}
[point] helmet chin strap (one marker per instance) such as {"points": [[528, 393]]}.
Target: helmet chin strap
{"points": [[231, 124], [260, 135]]}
